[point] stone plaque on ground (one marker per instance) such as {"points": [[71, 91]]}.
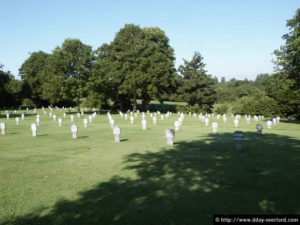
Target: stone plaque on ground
{"points": [[238, 137]]}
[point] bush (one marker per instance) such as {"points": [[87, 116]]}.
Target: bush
{"points": [[27, 103], [193, 109], [222, 109], [256, 106]]}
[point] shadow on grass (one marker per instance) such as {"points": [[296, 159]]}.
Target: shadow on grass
{"points": [[189, 183], [290, 121], [3, 116]]}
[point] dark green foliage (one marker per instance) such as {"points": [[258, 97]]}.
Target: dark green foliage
{"points": [[235, 89], [11, 90], [257, 105], [196, 87], [138, 64], [288, 57], [222, 109], [68, 71], [33, 74], [27, 103], [193, 109]]}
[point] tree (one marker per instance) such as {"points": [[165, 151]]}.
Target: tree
{"points": [[11, 90], [139, 64], [68, 71], [288, 57], [279, 88], [33, 74], [196, 86]]}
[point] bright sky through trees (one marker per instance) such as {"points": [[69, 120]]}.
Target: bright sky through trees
{"points": [[236, 38]]}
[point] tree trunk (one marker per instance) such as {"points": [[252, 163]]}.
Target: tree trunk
{"points": [[134, 104], [145, 104]]}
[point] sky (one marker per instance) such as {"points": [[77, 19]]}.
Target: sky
{"points": [[235, 37]]}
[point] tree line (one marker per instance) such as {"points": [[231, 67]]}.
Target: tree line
{"points": [[139, 65]]}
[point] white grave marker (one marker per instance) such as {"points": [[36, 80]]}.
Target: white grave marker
{"points": [[3, 128], [34, 129], [85, 123], [74, 130], [37, 121], [144, 124], [177, 125], [170, 135], [17, 120], [215, 127], [117, 133], [236, 122], [131, 119], [154, 120], [60, 122]]}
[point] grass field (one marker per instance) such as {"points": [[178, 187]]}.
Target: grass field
{"points": [[54, 179]]}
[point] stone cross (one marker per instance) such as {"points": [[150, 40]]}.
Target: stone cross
{"points": [[170, 135], [74, 130], [34, 129], [117, 133], [259, 128], [3, 128]]}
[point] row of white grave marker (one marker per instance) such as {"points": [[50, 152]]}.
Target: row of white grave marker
{"points": [[170, 133]]}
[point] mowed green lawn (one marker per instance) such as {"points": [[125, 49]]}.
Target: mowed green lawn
{"points": [[54, 179]]}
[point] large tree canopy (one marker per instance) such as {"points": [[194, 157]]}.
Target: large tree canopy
{"points": [[288, 57], [33, 74], [196, 86], [139, 63], [11, 90], [68, 71]]}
